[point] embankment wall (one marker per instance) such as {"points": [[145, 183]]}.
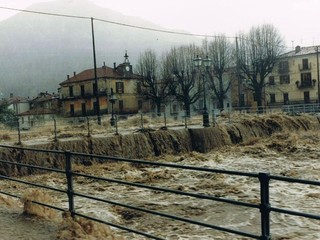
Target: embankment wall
{"points": [[154, 143]]}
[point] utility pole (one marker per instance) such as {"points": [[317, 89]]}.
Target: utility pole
{"points": [[318, 75], [239, 78], [95, 75]]}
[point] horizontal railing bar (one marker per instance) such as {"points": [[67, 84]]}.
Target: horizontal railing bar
{"points": [[171, 216], [294, 180], [118, 226], [50, 206], [295, 213], [201, 196], [33, 149], [33, 184], [188, 167], [39, 203], [212, 170], [33, 166], [9, 194]]}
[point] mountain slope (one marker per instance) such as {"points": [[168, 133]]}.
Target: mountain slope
{"points": [[38, 51]]}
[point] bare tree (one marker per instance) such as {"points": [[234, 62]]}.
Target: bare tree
{"points": [[185, 86], [153, 85], [220, 50], [257, 54]]}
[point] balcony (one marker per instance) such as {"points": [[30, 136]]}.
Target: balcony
{"points": [[305, 67], [306, 84]]}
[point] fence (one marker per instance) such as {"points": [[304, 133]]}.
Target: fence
{"points": [[58, 128], [69, 158]]}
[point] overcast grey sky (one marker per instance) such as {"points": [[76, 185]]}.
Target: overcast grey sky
{"points": [[296, 20]]}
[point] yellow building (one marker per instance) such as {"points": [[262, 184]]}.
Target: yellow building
{"points": [[78, 93], [295, 78]]}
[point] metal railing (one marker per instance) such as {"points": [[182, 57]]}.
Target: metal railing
{"points": [[69, 158]]}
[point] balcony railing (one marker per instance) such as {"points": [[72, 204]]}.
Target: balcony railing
{"points": [[305, 67], [306, 84]]}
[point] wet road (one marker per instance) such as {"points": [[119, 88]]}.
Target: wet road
{"points": [[16, 226]]}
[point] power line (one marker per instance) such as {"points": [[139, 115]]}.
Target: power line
{"points": [[44, 13], [121, 24], [110, 22]]}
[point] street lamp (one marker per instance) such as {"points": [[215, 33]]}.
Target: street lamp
{"points": [[112, 99], [206, 62]]}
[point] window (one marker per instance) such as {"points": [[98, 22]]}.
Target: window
{"points": [[140, 104], [306, 96], [82, 90], [94, 88], [283, 67], [95, 107], [83, 108], [70, 91], [120, 106], [174, 108], [139, 89], [271, 80], [119, 87], [305, 64], [306, 80], [285, 98], [272, 98], [284, 79], [241, 100], [71, 109]]}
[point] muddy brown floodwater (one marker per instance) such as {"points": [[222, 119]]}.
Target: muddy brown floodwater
{"points": [[286, 154]]}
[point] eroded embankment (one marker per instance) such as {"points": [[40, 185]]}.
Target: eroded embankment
{"points": [[154, 143]]}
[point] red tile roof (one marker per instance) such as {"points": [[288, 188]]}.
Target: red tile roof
{"points": [[102, 72], [37, 112]]}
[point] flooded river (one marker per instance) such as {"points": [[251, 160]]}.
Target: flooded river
{"points": [[285, 154]]}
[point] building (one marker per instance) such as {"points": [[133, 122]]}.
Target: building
{"points": [[295, 78], [78, 93], [18, 104], [43, 108]]}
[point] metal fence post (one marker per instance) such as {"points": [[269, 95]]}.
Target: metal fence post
{"points": [[185, 119], [141, 119], [116, 123], [19, 134], [88, 126], [264, 206], [55, 129], [69, 182]]}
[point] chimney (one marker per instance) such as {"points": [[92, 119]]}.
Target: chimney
{"points": [[68, 77], [114, 66], [298, 48], [104, 64], [11, 95], [74, 74]]}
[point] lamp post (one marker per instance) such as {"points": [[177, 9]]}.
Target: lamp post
{"points": [[206, 62], [113, 99]]}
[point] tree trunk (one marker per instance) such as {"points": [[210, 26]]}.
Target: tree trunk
{"points": [[259, 100], [187, 109], [158, 108], [220, 102]]}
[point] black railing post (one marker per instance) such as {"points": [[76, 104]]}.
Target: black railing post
{"points": [[69, 182], [165, 118], [141, 120], [264, 206], [55, 129], [116, 123], [19, 133], [88, 126]]}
